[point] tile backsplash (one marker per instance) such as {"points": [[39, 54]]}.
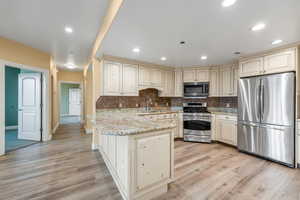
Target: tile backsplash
{"points": [[150, 97]]}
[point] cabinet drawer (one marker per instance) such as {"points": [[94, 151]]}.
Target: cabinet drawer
{"points": [[226, 117]]}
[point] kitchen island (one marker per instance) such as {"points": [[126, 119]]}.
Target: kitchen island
{"points": [[138, 152]]}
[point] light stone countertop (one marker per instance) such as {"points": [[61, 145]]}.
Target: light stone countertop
{"points": [[128, 122]]}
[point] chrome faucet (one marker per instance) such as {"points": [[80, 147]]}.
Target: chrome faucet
{"points": [[148, 105]]}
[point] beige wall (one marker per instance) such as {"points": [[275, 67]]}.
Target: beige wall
{"points": [[71, 76], [22, 54]]}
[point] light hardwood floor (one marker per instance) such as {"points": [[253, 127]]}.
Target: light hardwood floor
{"points": [[66, 168]]}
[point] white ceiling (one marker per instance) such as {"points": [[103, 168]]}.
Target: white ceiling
{"points": [[40, 24], [157, 27]]}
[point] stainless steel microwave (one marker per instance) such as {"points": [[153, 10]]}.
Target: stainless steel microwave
{"points": [[196, 90]]}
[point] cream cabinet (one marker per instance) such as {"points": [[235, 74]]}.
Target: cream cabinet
{"points": [[235, 71], [196, 75], [226, 129], [168, 89], [156, 77], [280, 61], [178, 84], [214, 83], [251, 67], [112, 79], [151, 168], [144, 76], [202, 75], [150, 77], [130, 80], [189, 76], [119, 79], [134, 165], [226, 81]]}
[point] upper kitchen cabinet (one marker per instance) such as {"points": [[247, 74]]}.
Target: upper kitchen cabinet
{"points": [[150, 77], [168, 89], [226, 81], [235, 71], [251, 67], [112, 78], [189, 76], [214, 82], [144, 76], [196, 75], [119, 79], [130, 80], [280, 61], [178, 84]]}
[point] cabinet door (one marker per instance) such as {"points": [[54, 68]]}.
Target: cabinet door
{"points": [[168, 88], [202, 75], [178, 84], [144, 76], [151, 168], [130, 80], [280, 62], [189, 76], [112, 79], [235, 72], [226, 86], [251, 67], [228, 131], [214, 83], [156, 77]]}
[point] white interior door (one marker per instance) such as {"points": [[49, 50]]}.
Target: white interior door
{"points": [[29, 108], [74, 101]]}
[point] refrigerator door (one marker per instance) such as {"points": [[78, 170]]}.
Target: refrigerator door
{"points": [[277, 99], [278, 143], [249, 138], [249, 100]]}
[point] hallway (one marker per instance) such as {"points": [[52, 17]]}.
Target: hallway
{"points": [[64, 168]]}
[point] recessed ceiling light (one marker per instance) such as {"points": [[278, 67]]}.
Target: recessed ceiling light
{"points": [[136, 50], [227, 3], [163, 58], [258, 27], [70, 65], [203, 57], [276, 42], [68, 29]]}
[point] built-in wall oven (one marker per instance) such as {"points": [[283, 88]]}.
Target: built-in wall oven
{"points": [[196, 90], [197, 123]]}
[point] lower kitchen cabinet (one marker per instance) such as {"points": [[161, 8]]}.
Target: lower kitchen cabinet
{"points": [[134, 164], [226, 129]]}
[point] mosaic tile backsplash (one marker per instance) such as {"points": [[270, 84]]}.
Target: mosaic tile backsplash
{"points": [[151, 97]]}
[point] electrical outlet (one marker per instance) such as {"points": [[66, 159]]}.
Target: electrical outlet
{"points": [[227, 105], [137, 105], [120, 105]]}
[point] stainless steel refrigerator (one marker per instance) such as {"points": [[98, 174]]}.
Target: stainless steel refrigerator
{"points": [[266, 117]]}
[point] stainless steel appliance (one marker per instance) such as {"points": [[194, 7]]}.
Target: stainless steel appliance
{"points": [[196, 90], [197, 122], [266, 117]]}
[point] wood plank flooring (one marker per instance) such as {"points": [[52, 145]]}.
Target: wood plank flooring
{"points": [[66, 168]]}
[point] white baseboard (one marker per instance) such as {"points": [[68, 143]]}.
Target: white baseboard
{"points": [[55, 128], [88, 130], [11, 127]]}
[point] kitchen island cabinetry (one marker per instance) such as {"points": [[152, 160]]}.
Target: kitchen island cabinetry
{"points": [[133, 161]]}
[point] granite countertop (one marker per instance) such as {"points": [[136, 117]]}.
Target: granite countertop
{"points": [[128, 122], [223, 111]]}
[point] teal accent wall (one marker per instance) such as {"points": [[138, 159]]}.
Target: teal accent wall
{"points": [[11, 96], [64, 97]]}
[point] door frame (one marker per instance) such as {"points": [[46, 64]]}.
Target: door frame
{"points": [[81, 97], [46, 136]]}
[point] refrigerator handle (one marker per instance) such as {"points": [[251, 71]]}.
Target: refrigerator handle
{"points": [[262, 104]]}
